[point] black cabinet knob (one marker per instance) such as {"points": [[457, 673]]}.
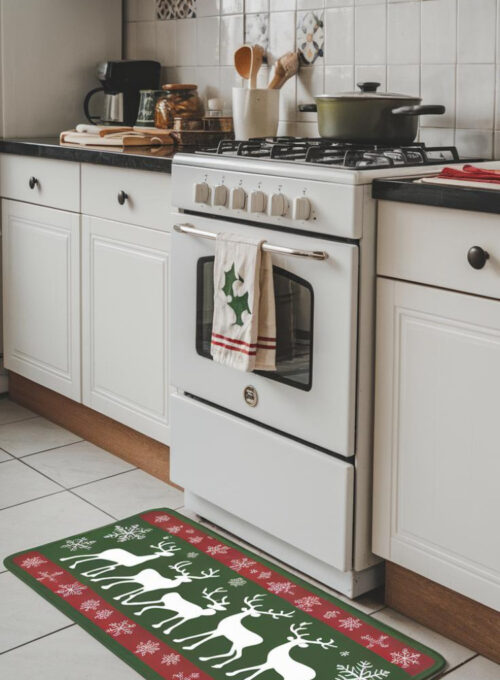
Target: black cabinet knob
{"points": [[33, 182], [122, 197], [477, 257]]}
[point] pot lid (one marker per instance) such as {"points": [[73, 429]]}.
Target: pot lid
{"points": [[367, 91]]}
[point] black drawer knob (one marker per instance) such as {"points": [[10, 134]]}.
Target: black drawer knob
{"points": [[33, 182], [122, 197], [477, 257]]}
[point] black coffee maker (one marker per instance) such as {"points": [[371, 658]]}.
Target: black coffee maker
{"points": [[121, 82]]}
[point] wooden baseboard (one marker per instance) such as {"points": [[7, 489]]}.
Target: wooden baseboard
{"points": [[443, 610], [134, 447]]}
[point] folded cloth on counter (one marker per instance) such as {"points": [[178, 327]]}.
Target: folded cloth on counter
{"points": [[244, 322], [470, 173]]}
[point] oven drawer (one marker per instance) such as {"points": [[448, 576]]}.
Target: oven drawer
{"points": [[430, 245], [298, 494], [145, 195], [43, 181]]}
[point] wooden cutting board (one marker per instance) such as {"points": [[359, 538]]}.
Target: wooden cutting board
{"points": [[445, 181]]}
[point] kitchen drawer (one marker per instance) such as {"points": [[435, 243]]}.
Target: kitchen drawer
{"points": [[57, 183], [430, 245], [147, 201], [265, 479]]}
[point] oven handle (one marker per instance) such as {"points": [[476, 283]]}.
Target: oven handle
{"points": [[281, 250]]}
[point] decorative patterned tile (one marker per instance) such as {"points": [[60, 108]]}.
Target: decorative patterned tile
{"points": [[310, 35], [257, 29], [175, 9]]}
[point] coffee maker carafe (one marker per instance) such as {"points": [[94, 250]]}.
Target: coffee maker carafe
{"points": [[121, 82]]}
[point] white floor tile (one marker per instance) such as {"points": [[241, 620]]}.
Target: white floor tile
{"points": [[70, 654], [33, 435], [25, 615], [11, 412], [477, 669], [44, 520], [131, 493], [4, 456], [19, 483], [454, 653], [78, 463]]}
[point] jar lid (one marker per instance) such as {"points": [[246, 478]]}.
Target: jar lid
{"points": [[179, 86]]}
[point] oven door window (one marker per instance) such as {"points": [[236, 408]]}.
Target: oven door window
{"points": [[294, 323]]}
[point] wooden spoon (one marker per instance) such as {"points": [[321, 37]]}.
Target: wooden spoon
{"points": [[286, 67], [255, 64], [243, 61]]}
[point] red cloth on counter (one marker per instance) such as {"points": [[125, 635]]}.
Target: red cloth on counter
{"points": [[471, 174]]}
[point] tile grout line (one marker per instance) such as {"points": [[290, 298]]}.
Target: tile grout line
{"points": [[40, 637], [116, 474], [454, 668]]}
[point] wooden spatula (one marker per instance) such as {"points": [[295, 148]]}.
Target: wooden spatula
{"points": [[286, 67]]}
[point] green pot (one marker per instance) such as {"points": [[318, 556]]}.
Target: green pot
{"points": [[370, 117]]}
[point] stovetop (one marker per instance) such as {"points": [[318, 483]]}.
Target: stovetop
{"points": [[325, 152]]}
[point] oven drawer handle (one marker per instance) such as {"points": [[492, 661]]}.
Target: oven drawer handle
{"points": [[281, 250]]}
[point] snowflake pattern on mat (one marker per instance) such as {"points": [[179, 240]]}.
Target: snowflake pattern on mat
{"points": [[161, 518], [170, 659], [279, 587], [148, 647], [74, 544], [307, 603], [217, 549], [181, 676], [265, 574], [103, 614], [189, 531], [344, 653], [192, 555], [241, 563], [49, 576], [350, 623], [331, 614], [237, 582], [375, 642], [362, 670], [175, 530], [90, 605], [30, 562], [195, 539], [133, 532], [71, 589], [122, 628], [405, 658]]}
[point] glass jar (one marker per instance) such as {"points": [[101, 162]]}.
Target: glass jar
{"points": [[178, 100]]}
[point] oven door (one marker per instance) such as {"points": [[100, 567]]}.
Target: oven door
{"points": [[312, 394]]}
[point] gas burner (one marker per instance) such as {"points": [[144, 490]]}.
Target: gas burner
{"points": [[324, 151]]}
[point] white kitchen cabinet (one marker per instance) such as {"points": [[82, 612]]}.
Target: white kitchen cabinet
{"points": [[124, 319], [41, 293], [437, 436]]}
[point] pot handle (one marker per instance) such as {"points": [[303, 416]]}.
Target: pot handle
{"points": [[421, 110], [308, 108]]}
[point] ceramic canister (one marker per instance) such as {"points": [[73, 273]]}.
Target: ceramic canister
{"points": [[255, 112]]}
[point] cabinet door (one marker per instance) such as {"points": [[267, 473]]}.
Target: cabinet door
{"points": [[437, 436], [41, 290], [125, 307]]}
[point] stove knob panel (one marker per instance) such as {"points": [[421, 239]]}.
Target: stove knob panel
{"points": [[238, 198], [220, 195], [201, 192], [278, 205], [301, 208], [257, 202]]}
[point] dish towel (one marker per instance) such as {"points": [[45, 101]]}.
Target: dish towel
{"points": [[244, 323], [471, 174]]}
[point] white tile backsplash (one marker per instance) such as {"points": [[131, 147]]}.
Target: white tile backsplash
{"points": [[445, 51]]}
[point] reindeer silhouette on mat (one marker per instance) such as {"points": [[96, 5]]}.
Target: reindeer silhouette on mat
{"points": [[184, 609], [232, 628], [149, 580], [121, 558], [280, 661]]}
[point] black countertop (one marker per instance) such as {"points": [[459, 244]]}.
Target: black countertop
{"points": [[406, 190], [157, 158]]}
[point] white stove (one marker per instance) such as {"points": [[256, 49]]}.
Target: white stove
{"points": [[284, 460]]}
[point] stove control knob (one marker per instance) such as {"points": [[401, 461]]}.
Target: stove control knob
{"points": [[201, 192], [220, 195], [301, 208], [278, 205], [238, 198], [257, 201]]}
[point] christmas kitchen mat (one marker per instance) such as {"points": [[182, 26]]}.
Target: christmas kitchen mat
{"points": [[175, 600]]}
